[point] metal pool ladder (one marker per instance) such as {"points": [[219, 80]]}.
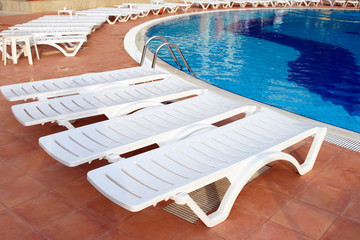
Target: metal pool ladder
{"points": [[169, 45]]}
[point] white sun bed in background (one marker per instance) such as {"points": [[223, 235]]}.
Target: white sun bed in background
{"points": [[354, 3], [205, 4], [145, 7], [109, 100], [173, 7], [157, 125], [67, 45], [119, 15], [45, 26], [283, 3], [266, 3], [99, 20], [241, 3], [313, 2], [299, 3], [79, 84], [339, 2], [235, 151], [54, 31], [67, 40]]}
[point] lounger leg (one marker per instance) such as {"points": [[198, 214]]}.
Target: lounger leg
{"points": [[242, 174], [65, 123], [4, 51], [27, 51], [36, 49], [238, 178], [313, 152], [13, 51]]}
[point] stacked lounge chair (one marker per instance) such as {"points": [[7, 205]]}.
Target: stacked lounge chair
{"points": [[65, 33], [179, 117], [113, 15]]}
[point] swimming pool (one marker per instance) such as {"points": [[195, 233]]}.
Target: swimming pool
{"points": [[303, 61]]}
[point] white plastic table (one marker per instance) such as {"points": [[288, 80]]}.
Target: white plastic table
{"points": [[64, 11], [13, 39]]}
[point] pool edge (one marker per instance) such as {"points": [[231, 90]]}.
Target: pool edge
{"points": [[134, 42]]}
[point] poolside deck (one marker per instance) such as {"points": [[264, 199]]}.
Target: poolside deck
{"points": [[42, 199]]}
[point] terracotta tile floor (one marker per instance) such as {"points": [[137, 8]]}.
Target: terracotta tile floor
{"points": [[41, 199]]}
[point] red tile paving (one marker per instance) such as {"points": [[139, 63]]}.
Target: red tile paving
{"points": [[304, 218], [343, 229], [41, 199], [271, 231], [352, 211]]}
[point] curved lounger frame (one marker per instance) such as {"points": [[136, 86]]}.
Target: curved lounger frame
{"points": [[235, 151], [67, 45]]}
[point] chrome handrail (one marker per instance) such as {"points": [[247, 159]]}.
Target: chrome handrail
{"points": [[179, 51], [169, 45], [145, 48]]}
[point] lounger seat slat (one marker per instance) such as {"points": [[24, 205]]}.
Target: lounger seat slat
{"points": [[245, 140], [211, 153], [137, 187], [147, 127], [146, 179], [230, 148], [167, 163], [211, 160], [178, 156], [160, 172], [70, 147]]}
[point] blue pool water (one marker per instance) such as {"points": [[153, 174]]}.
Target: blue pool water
{"points": [[303, 61]]}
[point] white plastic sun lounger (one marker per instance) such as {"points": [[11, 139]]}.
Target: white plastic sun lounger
{"points": [[354, 3], [205, 4], [145, 7], [79, 84], [135, 13], [283, 3], [119, 15], [67, 18], [266, 3], [299, 2], [339, 2], [109, 100], [54, 31], [241, 3], [173, 7], [35, 26], [93, 25], [313, 2], [109, 139], [67, 41], [235, 151], [67, 45]]}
